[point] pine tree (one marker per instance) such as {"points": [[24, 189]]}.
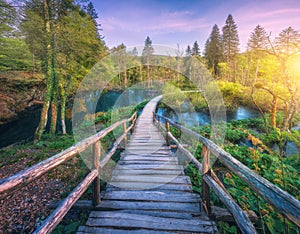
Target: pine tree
{"points": [[146, 55], [258, 39], [257, 46], [213, 50], [90, 10], [230, 45], [195, 49], [288, 41], [188, 51], [134, 52]]}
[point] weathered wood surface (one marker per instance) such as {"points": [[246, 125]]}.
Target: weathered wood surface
{"points": [[148, 191], [133, 221]]}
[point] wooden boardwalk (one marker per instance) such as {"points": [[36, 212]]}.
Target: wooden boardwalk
{"points": [[148, 191]]}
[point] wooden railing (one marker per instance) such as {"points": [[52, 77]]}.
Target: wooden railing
{"points": [[23, 178], [282, 201]]}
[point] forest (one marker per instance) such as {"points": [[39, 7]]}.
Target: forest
{"points": [[48, 47]]}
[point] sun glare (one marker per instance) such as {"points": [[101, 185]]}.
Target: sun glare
{"points": [[294, 70]]}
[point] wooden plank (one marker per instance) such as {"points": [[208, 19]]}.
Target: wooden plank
{"points": [[122, 171], [151, 196], [143, 217], [163, 206], [147, 158], [93, 230], [140, 185], [150, 179], [124, 220], [145, 162], [167, 191], [165, 166], [168, 214], [157, 154]]}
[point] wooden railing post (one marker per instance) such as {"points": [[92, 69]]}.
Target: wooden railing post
{"points": [[158, 124], [96, 165], [124, 131], [205, 187], [154, 116], [167, 131], [133, 123]]}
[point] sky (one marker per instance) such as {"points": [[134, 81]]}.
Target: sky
{"points": [[178, 22]]}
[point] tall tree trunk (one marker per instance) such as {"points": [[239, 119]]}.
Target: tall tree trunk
{"points": [[63, 111], [48, 73], [54, 103]]}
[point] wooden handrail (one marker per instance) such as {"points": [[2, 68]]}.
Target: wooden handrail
{"points": [[19, 180], [57, 215], [16, 181], [282, 201]]}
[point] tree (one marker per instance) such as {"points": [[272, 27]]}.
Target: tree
{"points": [[90, 10], [258, 40], [195, 49], [68, 45], [146, 54], [286, 47], [49, 63], [121, 57], [213, 50], [134, 52], [188, 51], [256, 47], [230, 45], [14, 53], [8, 17], [79, 48]]}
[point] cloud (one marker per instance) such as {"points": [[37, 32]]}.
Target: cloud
{"points": [[176, 22], [166, 22]]}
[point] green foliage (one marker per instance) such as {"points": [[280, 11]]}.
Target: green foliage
{"points": [[226, 228], [235, 135], [14, 55], [283, 172], [234, 94]]}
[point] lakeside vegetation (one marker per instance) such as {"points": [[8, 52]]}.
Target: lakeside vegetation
{"points": [[41, 65]]}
